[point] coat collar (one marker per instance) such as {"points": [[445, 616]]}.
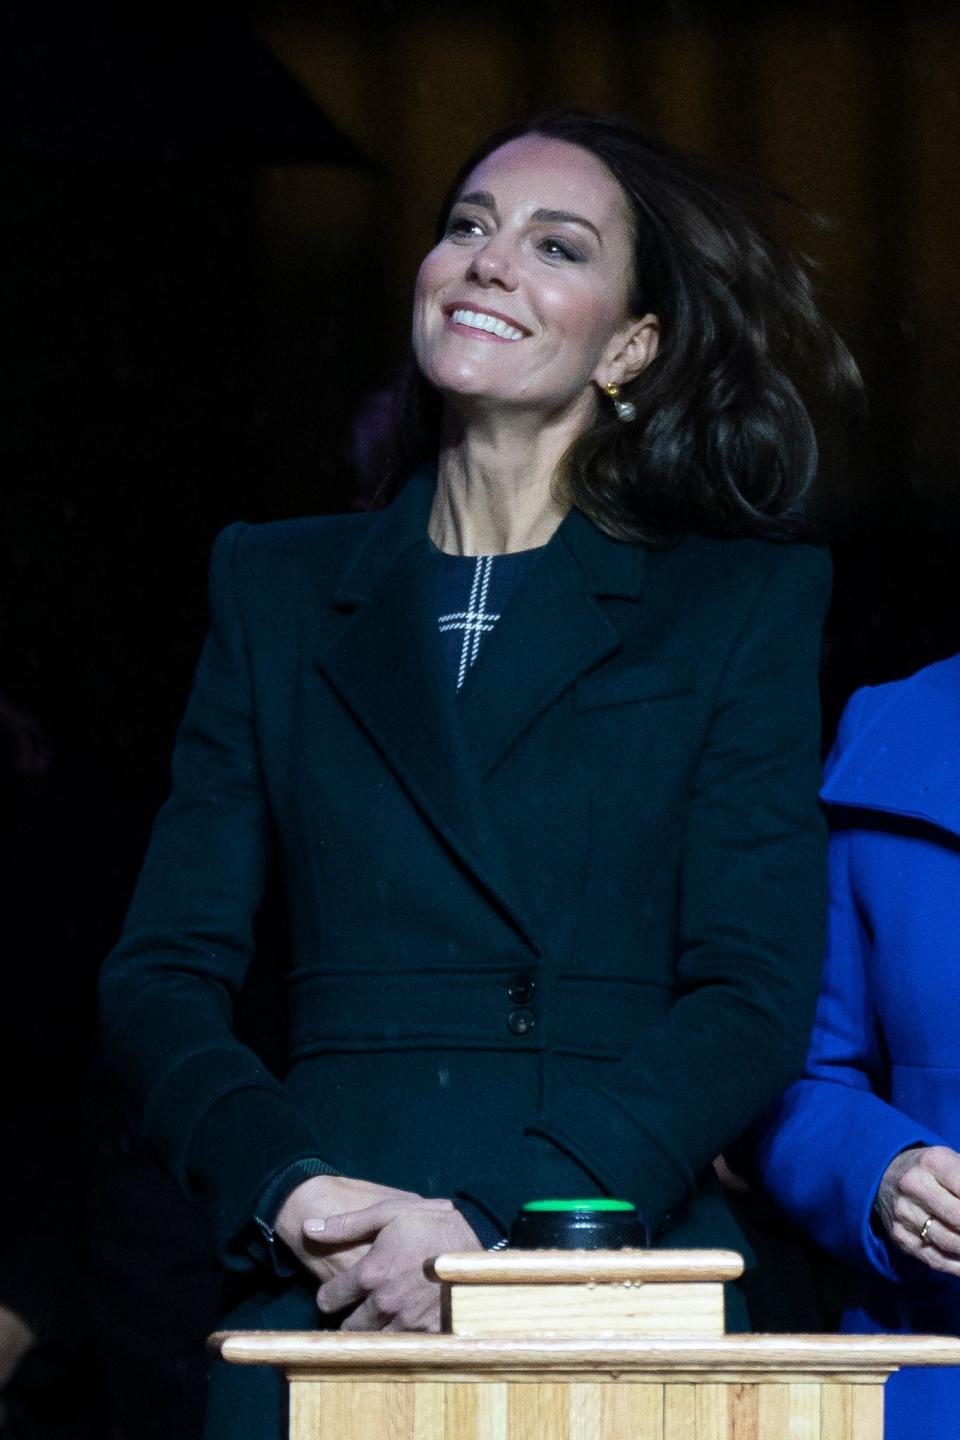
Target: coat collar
{"points": [[386, 663], [904, 759], [608, 567]]}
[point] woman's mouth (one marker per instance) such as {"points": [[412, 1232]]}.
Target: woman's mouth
{"points": [[483, 322]]}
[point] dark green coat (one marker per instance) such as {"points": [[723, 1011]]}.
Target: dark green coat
{"points": [[620, 805]]}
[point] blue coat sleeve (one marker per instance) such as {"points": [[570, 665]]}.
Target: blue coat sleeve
{"points": [[823, 1151], [167, 990]]}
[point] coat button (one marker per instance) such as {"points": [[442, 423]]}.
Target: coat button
{"points": [[521, 1022], [521, 989]]}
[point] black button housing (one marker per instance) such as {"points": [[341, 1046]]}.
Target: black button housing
{"points": [[521, 989], [521, 1022]]}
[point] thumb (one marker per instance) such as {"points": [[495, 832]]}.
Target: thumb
{"points": [[352, 1224]]}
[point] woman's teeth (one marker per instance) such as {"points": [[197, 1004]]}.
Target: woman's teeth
{"points": [[487, 322]]}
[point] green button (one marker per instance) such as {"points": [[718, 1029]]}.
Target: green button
{"points": [[601, 1204]]}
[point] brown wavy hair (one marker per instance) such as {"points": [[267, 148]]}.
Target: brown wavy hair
{"points": [[723, 442]]}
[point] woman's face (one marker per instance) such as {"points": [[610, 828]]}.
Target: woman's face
{"points": [[525, 301]]}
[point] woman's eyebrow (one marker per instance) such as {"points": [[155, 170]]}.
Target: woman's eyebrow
{"points": [[483, 198], [559, 217]]}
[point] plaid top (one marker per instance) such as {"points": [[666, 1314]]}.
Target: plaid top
{"points": [[472, 592]]}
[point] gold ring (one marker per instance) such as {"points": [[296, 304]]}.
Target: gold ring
{"points": [[924, 1228]]}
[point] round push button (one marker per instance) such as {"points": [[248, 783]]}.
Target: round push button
{"points": [[521, 1022]]}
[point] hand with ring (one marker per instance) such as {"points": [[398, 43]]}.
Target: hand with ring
{"points": [[919, 1205]]}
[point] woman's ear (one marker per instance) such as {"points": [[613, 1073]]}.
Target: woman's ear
{"points": [[630, 351]]}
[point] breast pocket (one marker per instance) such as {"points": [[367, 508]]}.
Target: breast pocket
{"points": [[629, 683]]}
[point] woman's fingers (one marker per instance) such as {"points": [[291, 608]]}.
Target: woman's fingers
{"points": [[342, 1290], [367, 1316], [390, 1286], [919, 1204], [930, 1185]]}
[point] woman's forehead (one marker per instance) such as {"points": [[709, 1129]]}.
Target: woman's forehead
{"points": [[541, 172]]}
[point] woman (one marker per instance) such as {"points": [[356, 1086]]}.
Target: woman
{"points": [[863, 1150], [540, 786]]}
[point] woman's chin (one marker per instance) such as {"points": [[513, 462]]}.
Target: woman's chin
{"points": [[472, 396], [484, 404]]}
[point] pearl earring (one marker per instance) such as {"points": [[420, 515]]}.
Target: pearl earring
{"points": [[626, 410]]}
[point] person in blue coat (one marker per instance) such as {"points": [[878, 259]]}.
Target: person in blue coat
{"points": [[863, 1150], [533, 752]]}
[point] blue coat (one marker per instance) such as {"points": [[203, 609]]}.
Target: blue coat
{"points": [[884, 1066]]}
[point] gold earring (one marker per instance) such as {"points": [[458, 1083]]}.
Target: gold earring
{"points": [[626, 410]]}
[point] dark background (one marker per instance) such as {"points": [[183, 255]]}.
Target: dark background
{"points": [[213, 218]]}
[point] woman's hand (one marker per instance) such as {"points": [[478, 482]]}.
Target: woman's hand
{"points": [[919, 1205], [388, 1285], [314, 1201]]}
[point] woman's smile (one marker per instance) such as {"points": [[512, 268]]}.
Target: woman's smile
{"points": [[482, 324]]}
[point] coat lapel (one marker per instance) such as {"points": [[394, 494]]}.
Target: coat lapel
{"points": [[385, 661], [386, 664], [552, 632]]}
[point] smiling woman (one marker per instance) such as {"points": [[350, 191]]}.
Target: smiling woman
{"points": [[723, 439], [537, 252], [530, 752]]}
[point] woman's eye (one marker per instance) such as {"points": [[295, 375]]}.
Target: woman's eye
{"points": [[558, 249], [461, 226]]}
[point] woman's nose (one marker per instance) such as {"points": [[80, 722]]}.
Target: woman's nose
{"points": [[493, 264]]}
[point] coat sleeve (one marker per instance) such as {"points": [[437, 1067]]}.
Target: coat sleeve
{"points": [[168, 989], [752, 901], [823, 1151]]}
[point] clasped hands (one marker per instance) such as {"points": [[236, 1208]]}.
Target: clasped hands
{"points": [[367, 1245], [919, 1205]]}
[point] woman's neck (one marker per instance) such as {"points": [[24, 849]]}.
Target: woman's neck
{"points": [[495, 489]]}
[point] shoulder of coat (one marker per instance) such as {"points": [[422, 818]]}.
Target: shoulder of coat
{"points": [[285, 554], [743, 565], [895, 749], [934, 686]]}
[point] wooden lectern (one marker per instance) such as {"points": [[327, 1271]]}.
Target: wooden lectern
{"points": [[585, 1345]]}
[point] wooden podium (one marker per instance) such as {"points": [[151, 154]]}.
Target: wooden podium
{"points": [[585, 1345]]}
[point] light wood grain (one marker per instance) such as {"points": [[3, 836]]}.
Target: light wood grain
{"points": [[523, 1412], [429, 1411], [634, 1411], [629, 1308], [680, 1412], [568, 1267], [585, 1406], [584, 1412], [789, 1412], [460, 1413], [392, 1409], [836, 1412], [742, 1421], [711, 1403], [305, 1401], [340, 1409], [321, 1352], [804, 1411], [773, 1412], [867, 1413], [399, 1406], [492, 1415], [553, 1412]]}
